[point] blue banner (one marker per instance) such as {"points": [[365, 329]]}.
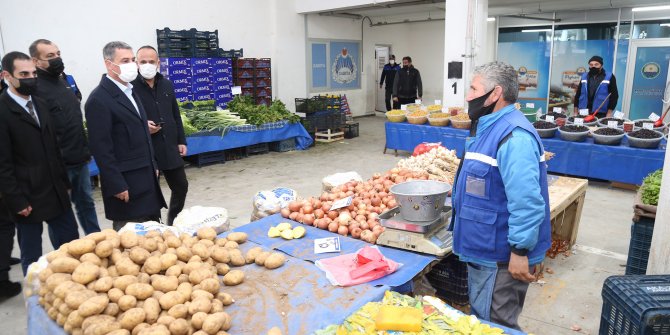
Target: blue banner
{"points": [[649, 81], [531, 60], [344, 65], [319, 65]]}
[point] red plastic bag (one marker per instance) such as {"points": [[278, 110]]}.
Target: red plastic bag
{"points": [[425, 147], [366, 265]]}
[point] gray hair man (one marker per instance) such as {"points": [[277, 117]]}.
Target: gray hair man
{"points": [[120, 142], [500, 198]]}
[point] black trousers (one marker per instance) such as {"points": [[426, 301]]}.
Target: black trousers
{"points": [[406, 101], [389, 99], [6, 243], [176, 180]]}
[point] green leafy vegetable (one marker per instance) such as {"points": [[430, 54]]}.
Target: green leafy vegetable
{"points": [[259, 114], [651, 188]]}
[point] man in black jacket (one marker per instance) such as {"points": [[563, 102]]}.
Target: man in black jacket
{"points": [[33, 181], [121, 144], [388, 74], [65, 110], [167, 132], [407, 85]]}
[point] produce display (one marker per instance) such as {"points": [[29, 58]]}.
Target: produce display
{"points": [[396, 115], [418, 114], [440, 163], [651, 188], [571, 128], [260, 114], [461, 117], [417, 117], [439, 119], [645, 133], [640, 123], [286, 231], [556, 115], [544, 125], [434, 108], [214, 120], [608, 131], [111, 283], [606, 120]]}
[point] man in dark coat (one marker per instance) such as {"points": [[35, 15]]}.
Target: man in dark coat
{"points": [[65, 110], [121, 144], [407, 86], [167, 132], [388, 75], [33, 181]]}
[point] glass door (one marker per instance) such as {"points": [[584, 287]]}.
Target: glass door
{"points": [[647, 78]]}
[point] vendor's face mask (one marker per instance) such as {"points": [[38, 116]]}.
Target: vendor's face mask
{"points": [[476, 108]]}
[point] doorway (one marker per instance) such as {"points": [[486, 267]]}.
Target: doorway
{"points": [[647, 78], [382, 53]]}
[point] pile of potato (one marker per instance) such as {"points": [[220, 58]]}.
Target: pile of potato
{"points": [[110, 283]]}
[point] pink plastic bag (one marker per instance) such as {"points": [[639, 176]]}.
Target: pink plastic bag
{"points": [[367, 264]]}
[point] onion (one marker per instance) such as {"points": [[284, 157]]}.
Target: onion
{"points": [[331, 197], [392, 204], [322, 224], [356, 232], [318, 213], [377, 230], [376, 176], [344, 218], [342, 195], [324, 196], [360, 218], [332, 227], [365, 225], [317, 203], [368, 236], [350, 193], [383, 194], [372, 224], [333, 215], [373, 216], [308, 209], [293, 216], [362, 206], [325, 207], [351, 208], [285, 212], [308, 219], [367, 202], [294, 206], [360, 212], [354, 225], [327, 219], [300, 217], [343, 230], [375, 200]]}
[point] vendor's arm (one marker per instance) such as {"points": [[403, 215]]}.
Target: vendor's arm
{"points": [[381, 81], [614, 96], [578, 93]]}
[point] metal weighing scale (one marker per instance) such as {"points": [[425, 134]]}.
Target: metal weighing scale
{"points": [[429, 237]]}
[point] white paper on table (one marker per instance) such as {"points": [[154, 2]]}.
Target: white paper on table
{"points": [[579, 121], [403, 107], [549, 118], [584, 112], [612, 124], [557, 110], [654, 117], [345, 202], [648, 125], [328, 244]]}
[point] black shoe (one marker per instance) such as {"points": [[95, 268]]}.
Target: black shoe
{"points": [[9, 289], [14, 261]]}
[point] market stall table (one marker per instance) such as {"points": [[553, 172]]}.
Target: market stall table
{"points": [[620, 163]]}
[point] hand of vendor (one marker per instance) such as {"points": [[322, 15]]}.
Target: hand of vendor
{"points": [[153, 127], [519, 269], [395, 99]]}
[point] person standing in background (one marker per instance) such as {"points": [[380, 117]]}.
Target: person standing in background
{"points": [[388, 75], [65, 111], [164, 121], [407, 85], [33, 180], [120, 141], [594, 88]]}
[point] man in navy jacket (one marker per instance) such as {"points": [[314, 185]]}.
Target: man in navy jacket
{"points": [[388, 75]]}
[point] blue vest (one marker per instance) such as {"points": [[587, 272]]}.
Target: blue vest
{"points": [[481, 215], [598, 97]]}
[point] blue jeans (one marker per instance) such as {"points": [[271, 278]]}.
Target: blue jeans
{"points": [[82, 199], [481, 281]]}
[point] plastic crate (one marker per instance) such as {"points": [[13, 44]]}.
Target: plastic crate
{"points": [[263, 63], [283, 146], [351, 130], [247, 92], [167, 33], [207, 158], [244, 74], [263, 82], [263, 73], [168, 43], [263, 92], [265, 101], [640, 243], [245, 63], [257, 149], [323, 120], [450, 279], [636, 305], [245, 83], [232, 53], [309, 105]]}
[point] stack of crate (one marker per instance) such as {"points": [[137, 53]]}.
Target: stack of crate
{"points": [[188, 43], [197, 79], [254, 76]]}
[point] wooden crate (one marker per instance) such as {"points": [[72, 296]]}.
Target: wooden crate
{"points": [[566, 200], [328, 136]]}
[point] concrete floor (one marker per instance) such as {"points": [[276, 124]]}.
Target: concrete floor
{"points": [[570, 297]]}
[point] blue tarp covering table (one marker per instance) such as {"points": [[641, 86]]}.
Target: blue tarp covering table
{"points": [[585, 159]]}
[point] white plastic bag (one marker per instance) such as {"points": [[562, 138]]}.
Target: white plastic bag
{"points": [[196, 217], [271, 202], [338, 179], [31, 283], [145, 227]]}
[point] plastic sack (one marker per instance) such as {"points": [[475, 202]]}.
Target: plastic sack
{"points": [[196, 217], [366, 265], [142, 228], [271, 202], [338, 179], [31, 283], [425, 147]]}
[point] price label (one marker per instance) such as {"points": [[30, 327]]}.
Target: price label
{"points": [[328, 244], [236, 90], [612, 124], [417, 101], [549, 118], [424, 108], [648, 125], [403, 107], [579, 121], [342, 203], [654, 117], [583, 112], [618, 115], [530, 105], [438, 102], [557, 110]]}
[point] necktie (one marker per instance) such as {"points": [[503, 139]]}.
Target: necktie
{"points": [[31, 111]]}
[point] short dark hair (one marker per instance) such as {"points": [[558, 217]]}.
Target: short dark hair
{"points": [[407, 58], [392, 57], [8, 60], [147, 47], [33, 46]]}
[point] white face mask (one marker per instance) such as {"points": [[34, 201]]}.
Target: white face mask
{"points": [[128, 71], [392, 61], [148, 71]]}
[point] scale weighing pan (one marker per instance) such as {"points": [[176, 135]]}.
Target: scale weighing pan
{"points": [[429, 237]]}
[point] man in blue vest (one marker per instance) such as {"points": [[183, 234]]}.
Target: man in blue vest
{"points": [[501, 204], [594, 88], [388, 74]]}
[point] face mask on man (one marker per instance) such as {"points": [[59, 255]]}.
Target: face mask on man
{"points": [[148, 71], [392, 62], [476, 108], [594, 70], [27, 86], [128, 71], [56, 66]]}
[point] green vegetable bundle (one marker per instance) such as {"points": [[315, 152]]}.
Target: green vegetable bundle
{"points": [[259, 114], [189, 129], [651, 188]]}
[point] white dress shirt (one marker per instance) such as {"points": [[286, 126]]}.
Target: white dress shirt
{"points": [[23, 102], [127, 90]]}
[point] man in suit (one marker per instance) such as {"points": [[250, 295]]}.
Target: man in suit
{"points": [[167, 132], [33, 181], [120, 142]]}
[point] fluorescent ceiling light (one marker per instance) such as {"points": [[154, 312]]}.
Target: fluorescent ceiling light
{"points": [[647, 9], [491, 19], [534, 30], [665, 24]]}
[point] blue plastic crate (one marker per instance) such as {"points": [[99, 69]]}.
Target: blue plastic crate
{"points": [[205, 158], [186, 34], [283, 146], [184, 97], [175, 62], [182, 81], [222, 71], [203, 96], [636, 305], [232, 53], [257, 149], [638, 249], [450, 279], [221, 96]]}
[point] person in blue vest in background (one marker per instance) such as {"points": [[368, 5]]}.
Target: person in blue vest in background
{"points": [[388, 74], [500, 199], [594, 88]]}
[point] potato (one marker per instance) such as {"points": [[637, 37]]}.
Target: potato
{"points": [[168, 260], [183, 278], [275, 260], [102, 328], [231, 245], [152, 265], [173, 271], [234, 277], [220, 242], [165, 283], [79, 247], [144, 278], [122, 282], [179, 327], [129, 239], [236, 258], [199, 274], [178, 311], [120, 332], [185, 289], [250, 256], [85, 272], [140, 291], [217, 306], [206, 233], [213, 323], [126, 266], [299, 232], [131, 318], [115, 294], [200, 305], [112, 309], [51, 256], [274, 331], [76, 298], [211, 285], [64, 265], [260, 259], [102, 285], [207, 243], [222, 269], [198, 319], [74, 320], [91, 258], [150, 244], [139, 255], [225, 298], [237, 237], [52, 312], [112, 271], [200, 250], [127, 302], [56, 279], [44, 274], [227, 322], [64, 309], [165, 320], [138, 329], [152, 234], [195, 258], [103, 268], [93, 306], [173, 242], [117, 255], [152, 309], [91, 320], [157, 329], [168, 300], [67, 287]]}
